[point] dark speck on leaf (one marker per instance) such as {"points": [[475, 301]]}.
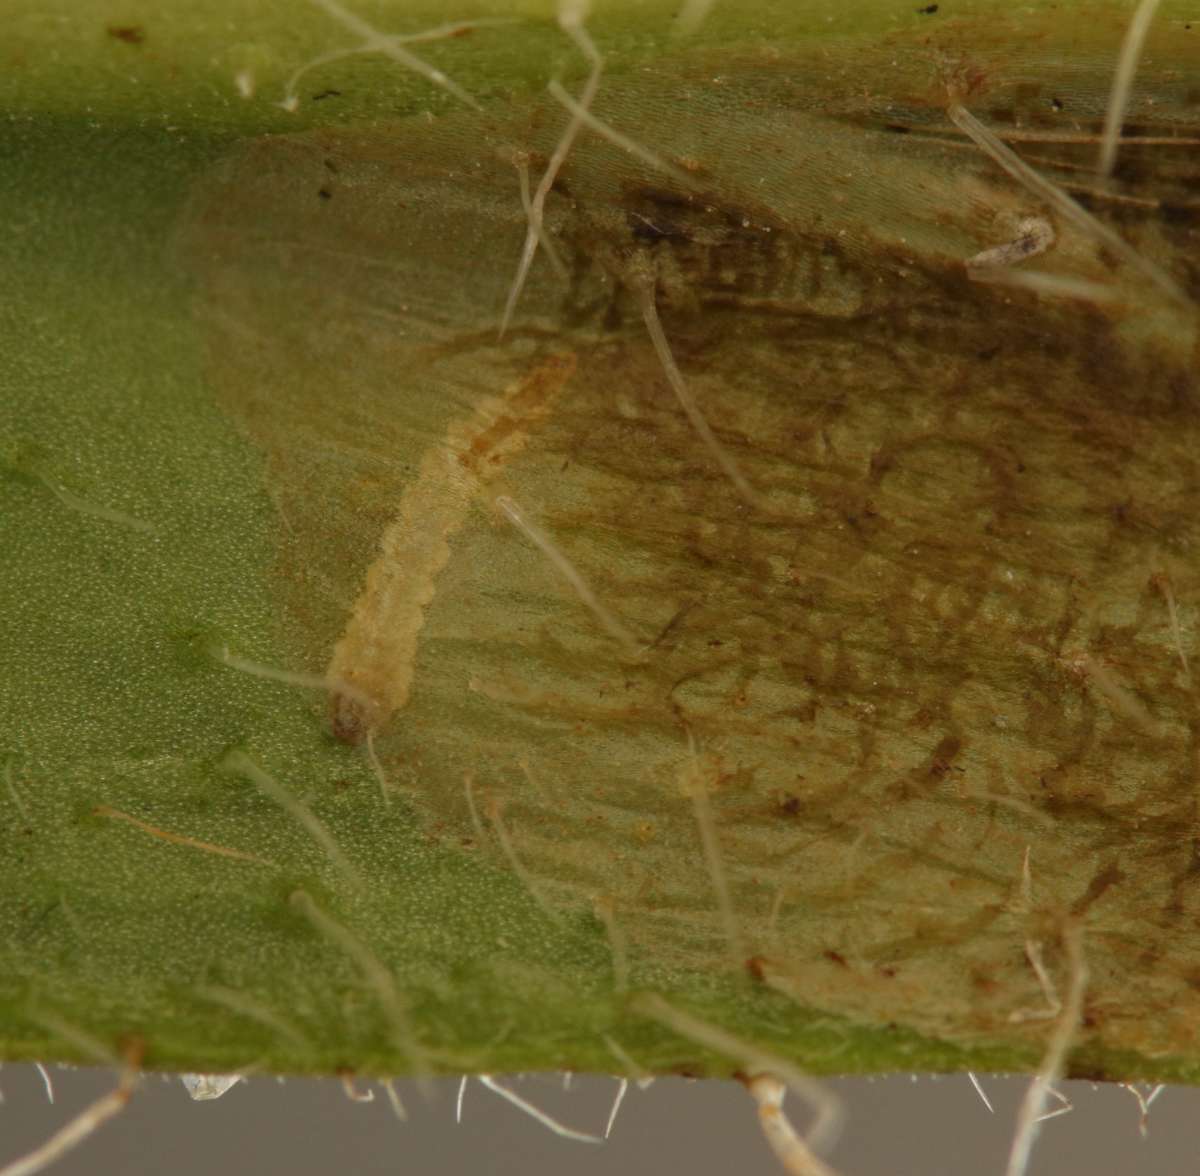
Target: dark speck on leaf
{"points": [[130, 34], [928, 10], [326, 94]]}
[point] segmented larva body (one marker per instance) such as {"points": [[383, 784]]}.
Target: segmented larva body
{"points": [[371, 669]]}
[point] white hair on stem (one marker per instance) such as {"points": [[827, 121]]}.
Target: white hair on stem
{"points": [[240, 763], [255, 1010], [536, 1113], [776, 907], [793, 1153], [385, 786], [376, 975], [70, 1136], [1071, 210], [697, 789], [607, 621], [255, 669], [518, 867], [12, 791], [1045, 285], [1065, 1109], [95, 510], [458, 1102], [639, 1074], [353, 1093], [571, 17], [1033, 953], [691, 16], [615, 137], [329, 684], [978, 791], [1144, 1102], [605, 909], [1118, 697], [387, 45], [1122, 85], [86, 1043], [1163, 582], [377, 766], [472, 808], [645, 292], [389, 1087], [826, 1105], [987, 1102], [46, 1082], [618, 1099], [520, 161], [1033, 1105]]}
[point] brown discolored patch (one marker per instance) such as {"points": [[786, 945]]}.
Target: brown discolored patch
{"points": [[938, 602], [128, 34]]}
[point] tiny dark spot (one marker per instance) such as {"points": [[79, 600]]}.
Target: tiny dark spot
{"points": [[1085, 1072], [1135, 130], [755, 966], [888, 971], [325, 193], [331, 166], [835, 957], [789, 806], [1110, 875], [943, 756], [326, 94], [130, 34], [928, 10], [662, 197], [1057, 103], [1180, 214], [988, 353], [897, 128]]}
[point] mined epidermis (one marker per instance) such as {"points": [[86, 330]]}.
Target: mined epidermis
{"points": [[928, 639]]}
